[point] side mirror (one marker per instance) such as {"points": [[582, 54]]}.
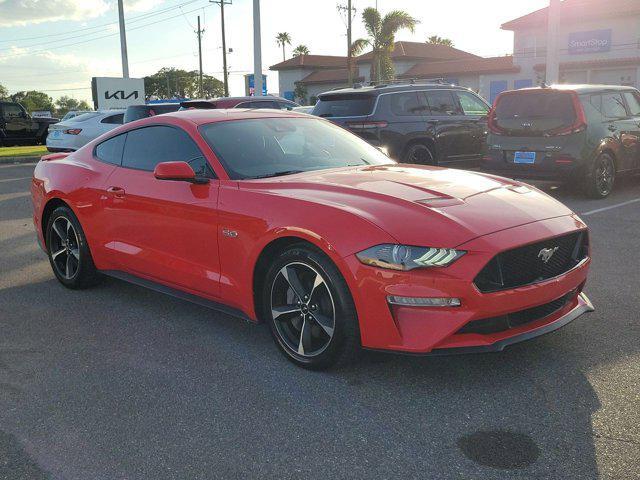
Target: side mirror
{"points": [[180, 171]]}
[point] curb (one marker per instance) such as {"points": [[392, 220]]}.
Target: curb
{"points": [[5, 160]]}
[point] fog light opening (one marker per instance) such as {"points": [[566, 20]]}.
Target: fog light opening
{"points": [[424, 301]]}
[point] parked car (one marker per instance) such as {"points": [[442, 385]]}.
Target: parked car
{"points": [[582, 135], [73, 134], [136, 112], [74, 113], [17, 127], [426, 124], [298, 223], [268, 101], [303, 109]]}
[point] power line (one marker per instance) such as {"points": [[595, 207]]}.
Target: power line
{"points": [[136, 18]]}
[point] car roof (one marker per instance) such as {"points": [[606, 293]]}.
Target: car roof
{"points": [[379, 89], [204, 116], [579, 88]]}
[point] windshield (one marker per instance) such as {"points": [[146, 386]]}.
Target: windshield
{"points": [[268, 147]]}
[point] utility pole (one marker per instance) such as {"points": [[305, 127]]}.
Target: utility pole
{"points": [[200, 32], [123, 41], [553, 20], [350, 11], [257, 50], [225, 73]]}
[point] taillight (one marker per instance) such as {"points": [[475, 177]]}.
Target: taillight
{"points": [[580, 124], [366, 125], [73, 131], [492, 120]]}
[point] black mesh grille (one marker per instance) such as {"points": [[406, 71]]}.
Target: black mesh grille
{"points": [[525, 265], [516, 319]]}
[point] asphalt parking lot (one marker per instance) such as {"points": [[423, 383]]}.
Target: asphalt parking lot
{"points": [[119, 382]]}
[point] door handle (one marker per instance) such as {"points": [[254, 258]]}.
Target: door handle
{"points": [[117, 192]]}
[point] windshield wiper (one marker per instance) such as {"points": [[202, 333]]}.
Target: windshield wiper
{"points": [[278, 174]]}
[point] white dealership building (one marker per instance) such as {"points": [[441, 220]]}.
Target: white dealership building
{"points": [[598, 42]]}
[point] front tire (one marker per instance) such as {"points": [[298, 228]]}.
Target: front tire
{"points": [[419, 154], [68, 250], [599, 183], [309, 309]]}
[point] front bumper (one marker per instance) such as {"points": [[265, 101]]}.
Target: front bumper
{"points": [[422, 330]]}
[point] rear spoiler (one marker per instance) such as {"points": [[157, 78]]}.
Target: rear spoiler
{"points": [[55, 156]]}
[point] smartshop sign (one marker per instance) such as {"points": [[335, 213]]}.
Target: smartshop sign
{"points": [[590, 42]]}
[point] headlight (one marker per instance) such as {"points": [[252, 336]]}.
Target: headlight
{"points": [[403, 257]]}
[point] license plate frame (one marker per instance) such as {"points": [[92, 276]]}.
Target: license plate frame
{"points": [[524, 158]]}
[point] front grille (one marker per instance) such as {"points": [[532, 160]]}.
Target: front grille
{"points": [[516, 319], [524, 265]]}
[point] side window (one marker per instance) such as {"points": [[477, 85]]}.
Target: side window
{"points": [[146, 147], [263, 104], [471, 105], [596, 102], [110, 151], [613, 106], [408, 104], [285, 106], [441, 102], [113, 119], [12, 110], [633, 102]]}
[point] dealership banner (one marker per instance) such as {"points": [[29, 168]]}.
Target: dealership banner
{"points": [[593, 41], [116, 92]]}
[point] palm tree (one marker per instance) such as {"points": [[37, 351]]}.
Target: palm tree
{"points": [[381, 39], [436, 40], [300, 50], [282, 39]]}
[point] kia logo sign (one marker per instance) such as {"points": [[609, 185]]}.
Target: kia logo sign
{"points": [[117, 92], [120, 95]]}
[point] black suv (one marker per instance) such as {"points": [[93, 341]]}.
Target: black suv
{"points": [[582, 135], [136, 112], [17, 127], [431, 123]]}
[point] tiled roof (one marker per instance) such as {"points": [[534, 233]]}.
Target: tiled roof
{"points": [[417, 50], [310, 61], [602, 62], [576, 10], [338, 75], [458, 67]]}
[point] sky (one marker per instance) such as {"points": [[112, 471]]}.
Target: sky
{"points": [[56, 46]]}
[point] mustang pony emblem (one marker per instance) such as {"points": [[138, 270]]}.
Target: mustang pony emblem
{"points": [[546, 253]]}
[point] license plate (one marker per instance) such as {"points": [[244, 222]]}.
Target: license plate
{"points": [[524, 157], [56, 134]]}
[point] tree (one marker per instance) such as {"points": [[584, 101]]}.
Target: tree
{"points": [[66, 104], [282, 39], [300, 92], [33, 100], [169, 82], [300, 50], [381, 39], [436, 40], [4, 93]]}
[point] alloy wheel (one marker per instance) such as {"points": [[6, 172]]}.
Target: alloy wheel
{"points": [[302, 309], [605, 175], [64, 248], [421, 155]]}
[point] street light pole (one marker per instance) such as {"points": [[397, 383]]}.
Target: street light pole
{"points": [[553, 19], [123, 41], [257, 50]]}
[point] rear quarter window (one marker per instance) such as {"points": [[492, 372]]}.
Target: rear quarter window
{"points": [[347, 105], [110, 151]]}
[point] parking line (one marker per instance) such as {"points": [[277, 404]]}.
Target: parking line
{"points": [[3, 180], [610, 207]]}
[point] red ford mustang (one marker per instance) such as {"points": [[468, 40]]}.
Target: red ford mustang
{"points": [[288, 219]]}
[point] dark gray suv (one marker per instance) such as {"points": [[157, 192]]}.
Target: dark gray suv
{"points": [[429, 124], [582, 135]]}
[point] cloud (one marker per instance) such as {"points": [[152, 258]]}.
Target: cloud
{"points": [[28, 12]]}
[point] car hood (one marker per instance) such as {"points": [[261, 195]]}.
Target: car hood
{"points": [[419, 205]]}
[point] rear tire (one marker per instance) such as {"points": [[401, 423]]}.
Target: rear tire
{"points": [[419, 154], [600, 180], [68, 251], [309, 309]]}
